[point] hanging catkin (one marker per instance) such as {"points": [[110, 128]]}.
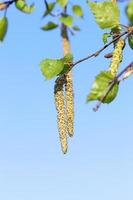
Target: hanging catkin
{"points": [[68, 86], [69, 103], [64, 99], [61, 115], [117, 57]]}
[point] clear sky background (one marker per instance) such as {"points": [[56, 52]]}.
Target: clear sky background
{"points": [[99, 163]]}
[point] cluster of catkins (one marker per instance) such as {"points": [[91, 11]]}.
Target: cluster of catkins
{"points": [[64, 102], [64, 107]]}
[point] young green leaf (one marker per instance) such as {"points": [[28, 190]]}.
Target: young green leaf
{"points": [[100, 87], [129, 11], [23, 7], [3, 27], [77, 10], [76, 28], [63, 3], [49, 26], [106, 13], [50, 7], [51, 67], [105, 37], [67, 20]]}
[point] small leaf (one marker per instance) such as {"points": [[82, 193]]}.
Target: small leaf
{"points": [[77, 10], [50, 7], [51, 67], [76, 28], [129, 11], [63, 3], [3, 27], [130, 41], [23, 7], [100, 87], [105, 37], [49, 26], [67, 20], [106, 13]]}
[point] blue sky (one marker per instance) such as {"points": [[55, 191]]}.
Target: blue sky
{"points": [[99, 162]]}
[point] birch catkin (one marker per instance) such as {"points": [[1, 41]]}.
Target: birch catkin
{"points": [[69, 103], [68, 88], [61, 115], [64, 99], [117, 56]]}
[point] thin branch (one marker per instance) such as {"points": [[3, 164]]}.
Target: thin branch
{"points": [[96, 53], [124, 26], [127, 73], [5, 5], [130, 32], [52, 14], [99, 51]]}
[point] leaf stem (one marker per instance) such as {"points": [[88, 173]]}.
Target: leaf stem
{"points": [[52, 14]]}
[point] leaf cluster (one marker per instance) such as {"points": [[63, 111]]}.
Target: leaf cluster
{"points": [[62, 15]]}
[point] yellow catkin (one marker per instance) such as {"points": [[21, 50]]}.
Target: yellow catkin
{"points": [[61, 115], [64, 99], [69, 104], [68, 88], [117, 56]]}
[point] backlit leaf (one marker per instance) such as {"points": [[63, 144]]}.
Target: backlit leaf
{"points": [[100, 87], [51, 67], [67, 20], [49, 26], [24, 7], [129, 11], [106, 13], [77, 10]]}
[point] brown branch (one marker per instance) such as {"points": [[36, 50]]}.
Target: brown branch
{"points": [[99, 51], [96, 53], [5, 5]]}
